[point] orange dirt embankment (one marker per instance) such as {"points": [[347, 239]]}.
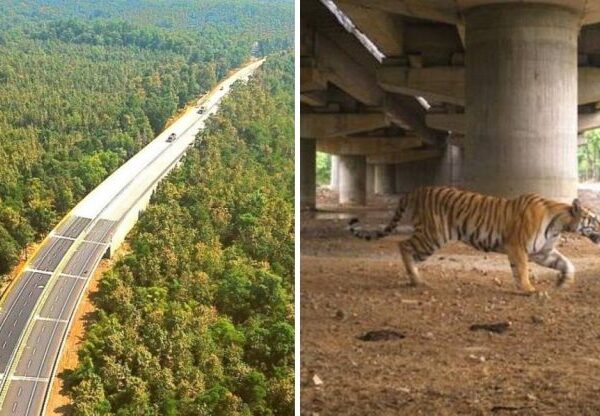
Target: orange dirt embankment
{"points": [[60, 403]]}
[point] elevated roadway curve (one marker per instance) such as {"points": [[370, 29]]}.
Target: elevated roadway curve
{"points": [[36, 314]]}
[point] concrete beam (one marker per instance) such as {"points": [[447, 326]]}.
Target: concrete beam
{"points": [[387, 33], [436, 10], [314, 98], [449, 11], [311, 80], [588, 121], [457, 122], [319, 125], [589, 85], [446, 84], [408, 113], [367, 146], [338, 67], [404, 157]]}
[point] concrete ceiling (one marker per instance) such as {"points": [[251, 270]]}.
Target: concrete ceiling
{"points": [[450, 11]]}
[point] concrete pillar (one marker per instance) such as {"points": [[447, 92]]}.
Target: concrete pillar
{"points": [[448, 169], [334, 179], [308, 183], [370, 180], [521, 100], [385, 179], [412, 175], [353, 175]]}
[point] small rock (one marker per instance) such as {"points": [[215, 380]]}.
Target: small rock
{"points": [[538, 320], [498, 328], [340, 314], [531, 397], [317, 380], [497, 281], [404, 389], [480, 358], [429, 335], [542, 295]]}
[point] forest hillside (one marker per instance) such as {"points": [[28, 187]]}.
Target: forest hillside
{"points": [[85, 84], [197, 319]]}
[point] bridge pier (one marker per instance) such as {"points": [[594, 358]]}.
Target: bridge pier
{"points": [[384, 179], [308, 168], [521, 100], [334, 180], [370, 180], [353, 180]]}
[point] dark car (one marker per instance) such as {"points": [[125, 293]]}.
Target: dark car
{"points": [[202, 110], [171, 137]]}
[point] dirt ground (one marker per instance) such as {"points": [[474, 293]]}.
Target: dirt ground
{"points": [[546, 363]]}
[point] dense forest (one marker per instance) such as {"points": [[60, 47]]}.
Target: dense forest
{"points": [[197, 318], [588, 155], [86, 84]]}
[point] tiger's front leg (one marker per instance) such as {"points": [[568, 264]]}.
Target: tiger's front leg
{"points": [[520, 268], [557, 261]]}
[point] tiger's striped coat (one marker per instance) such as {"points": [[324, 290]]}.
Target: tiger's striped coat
{"points": [[525, 228]]}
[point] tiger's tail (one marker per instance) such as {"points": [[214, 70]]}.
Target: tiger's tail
{"points": [[368, 235]]}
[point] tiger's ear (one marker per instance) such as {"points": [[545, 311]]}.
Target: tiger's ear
{"points": [[576, 209]]}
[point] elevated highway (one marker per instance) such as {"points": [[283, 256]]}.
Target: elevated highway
{"points": [[36, 314]]}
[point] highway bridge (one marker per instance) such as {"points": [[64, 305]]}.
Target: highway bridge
{"points": [[488, 95], [37, 312]]}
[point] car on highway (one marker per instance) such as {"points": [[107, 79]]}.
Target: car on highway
{"points": [[222, 88], [202, 110], [171, 137]]}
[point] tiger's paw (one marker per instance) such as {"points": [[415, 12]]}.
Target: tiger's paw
{"points": [[528, 290], [420, 284], [565, 280]]}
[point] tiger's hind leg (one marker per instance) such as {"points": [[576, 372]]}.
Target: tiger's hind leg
{"points": [[557, 261], [415, 250]]}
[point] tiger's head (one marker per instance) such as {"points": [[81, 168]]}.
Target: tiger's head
{"points": [[585, 222]]}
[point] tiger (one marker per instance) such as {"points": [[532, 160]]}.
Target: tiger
{"points": [[525, 228]]}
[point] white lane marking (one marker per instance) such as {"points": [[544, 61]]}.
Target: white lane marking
{"points": [[64, 237], [38, 271], [26, 378], [74, 276], [44, 318], [62, 274], [100, 243]]}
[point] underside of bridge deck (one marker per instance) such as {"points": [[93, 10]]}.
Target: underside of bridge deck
{"points": [[485, 94]]}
